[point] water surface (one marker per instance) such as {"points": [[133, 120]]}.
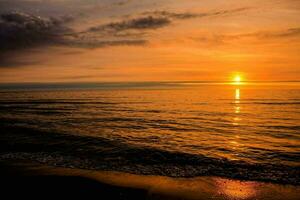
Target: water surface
{"points": [[181, 129]]}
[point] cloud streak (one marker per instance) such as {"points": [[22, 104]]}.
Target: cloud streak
{"points": [[151, 20], [91, 44], [281, 34], [261, 36], [142, 23], [157, 19], [190, 15], [291, 32]]}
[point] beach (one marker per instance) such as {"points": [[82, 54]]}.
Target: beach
{"points": [[33, 180]]}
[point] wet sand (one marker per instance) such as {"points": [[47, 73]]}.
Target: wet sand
{"points": [[35, 181]]}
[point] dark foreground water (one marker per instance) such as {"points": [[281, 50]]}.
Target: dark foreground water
{"points": [[249, 131]]}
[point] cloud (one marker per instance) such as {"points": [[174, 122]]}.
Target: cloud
{"points": [[121, 3], [172, 15], [103, 43], [291, 32], [152, 20], [7, 62], [20, 30], [189, 15], [261, 36], [148, 22], [281, 34]]}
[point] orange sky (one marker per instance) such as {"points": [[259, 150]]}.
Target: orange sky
{"points": [[159, 40]]}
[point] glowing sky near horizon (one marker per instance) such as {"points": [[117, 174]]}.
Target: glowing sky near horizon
{"points": [[149, 40]]}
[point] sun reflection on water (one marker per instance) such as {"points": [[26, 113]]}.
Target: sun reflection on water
{"points": [[234, 142], [237, 108], [233, 189], [237, 95]]}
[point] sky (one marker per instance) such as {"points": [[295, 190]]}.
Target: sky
{"points": [[149, 40]]}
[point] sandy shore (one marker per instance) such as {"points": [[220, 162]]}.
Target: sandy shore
{"points": [[33, 180]]}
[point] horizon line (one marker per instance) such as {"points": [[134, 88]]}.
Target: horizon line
{"points": [[120, 82]]}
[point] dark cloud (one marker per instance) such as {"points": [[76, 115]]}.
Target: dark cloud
{"points": [[148, 22], [19, 30], [83, 43], [172, 14]]}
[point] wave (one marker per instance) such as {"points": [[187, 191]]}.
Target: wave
{"points": [[98, 153]]}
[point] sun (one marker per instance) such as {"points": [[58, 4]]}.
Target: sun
{"points": [[237, 79]]}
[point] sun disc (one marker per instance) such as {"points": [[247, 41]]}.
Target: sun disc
{"points": [[237, 79]]}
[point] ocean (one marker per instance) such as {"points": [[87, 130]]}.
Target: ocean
{"points": [[249, 131]]}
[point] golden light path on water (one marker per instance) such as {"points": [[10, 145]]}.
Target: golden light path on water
{"points": [[234, 143], [233, 189], [237, 108]]}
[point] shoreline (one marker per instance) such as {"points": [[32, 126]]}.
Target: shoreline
{"points": [[86, 152], [27, 177]]}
